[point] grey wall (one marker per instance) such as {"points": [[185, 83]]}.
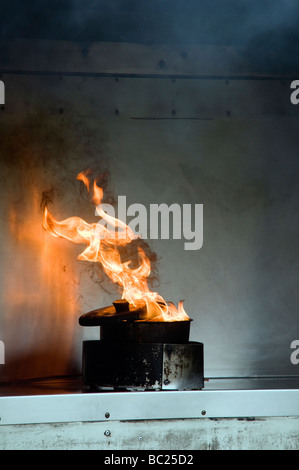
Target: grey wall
{"points": [[192, 125]]}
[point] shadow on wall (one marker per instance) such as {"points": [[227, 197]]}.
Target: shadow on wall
{"points": [[43, 284], [40, 277]]}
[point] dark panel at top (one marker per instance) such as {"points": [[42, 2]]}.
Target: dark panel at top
{"points": [[268, 29]]}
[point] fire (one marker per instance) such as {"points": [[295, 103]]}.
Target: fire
{"points": [[103, 245]]}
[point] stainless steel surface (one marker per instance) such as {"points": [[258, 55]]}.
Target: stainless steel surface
{"points": [[62, 408], [101, 429]]}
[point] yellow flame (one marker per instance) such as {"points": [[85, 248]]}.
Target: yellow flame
{"points": [[102, 247]]}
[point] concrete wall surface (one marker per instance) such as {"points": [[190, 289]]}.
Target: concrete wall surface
{"points": [[189, 434]]}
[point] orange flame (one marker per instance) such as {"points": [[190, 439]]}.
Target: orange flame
{"points": [[102, 247]]}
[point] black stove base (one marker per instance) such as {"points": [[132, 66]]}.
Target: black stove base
{"points": [[142, 366]]}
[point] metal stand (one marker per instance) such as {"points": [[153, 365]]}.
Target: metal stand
{"points": [[142, 366]]}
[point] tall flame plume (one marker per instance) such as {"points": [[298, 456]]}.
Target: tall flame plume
{"points": [[103, 247]]}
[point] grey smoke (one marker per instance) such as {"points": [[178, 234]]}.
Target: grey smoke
{"points": [[267, 29]]}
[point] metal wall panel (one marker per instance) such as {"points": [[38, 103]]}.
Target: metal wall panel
{"points": [[213, 133]]}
